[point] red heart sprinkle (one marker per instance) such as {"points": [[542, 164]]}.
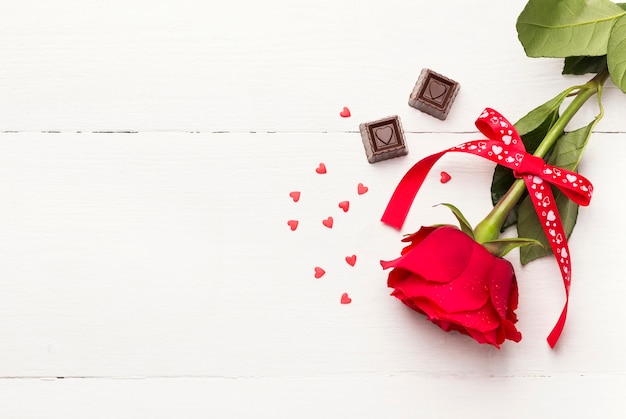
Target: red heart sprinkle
{"points": [[351, 260], [362, 189], [293, 224], [345, 299], [321, 169], [319, 272], [345, 113], [445, 177], [328, 222], [344, 205], [295, 195]]}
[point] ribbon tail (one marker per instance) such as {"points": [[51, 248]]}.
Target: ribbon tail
{"points": [[404, 194], [555, 334], [550, 221]]}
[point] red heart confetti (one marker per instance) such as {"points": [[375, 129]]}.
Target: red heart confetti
{"points": [[295, 195], [328, 222], [293, 224], [345, 299], [344, 205], [321, 169], [351, 260], [319, 272], [445, 177], [345, 113], [362, 189]]}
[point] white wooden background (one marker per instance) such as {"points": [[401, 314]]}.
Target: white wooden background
{"points": [[147, 152]]}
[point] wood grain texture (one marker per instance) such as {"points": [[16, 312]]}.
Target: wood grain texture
{"points": [[340, 397], [147, 153], [210, 66]]}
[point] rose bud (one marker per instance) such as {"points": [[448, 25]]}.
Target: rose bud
{"points": [[446, 275]]}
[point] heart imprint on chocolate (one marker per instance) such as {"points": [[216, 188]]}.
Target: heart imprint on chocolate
{"points": [[384, 134], [436, 90]]}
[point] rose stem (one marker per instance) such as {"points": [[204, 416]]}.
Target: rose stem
{"points": [[489, 228]]}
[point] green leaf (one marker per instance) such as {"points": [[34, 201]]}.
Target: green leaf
{"points": [[567, 27], [584, 65], [570, 147], [616, 56], [566, 154], [538, 116], [501, 247], [532, 128], [466, 227], [528, 224]]}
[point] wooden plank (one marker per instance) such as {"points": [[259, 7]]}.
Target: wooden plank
{"points": [[241, 66], [332, 397], [145, 254], [160, 254]]}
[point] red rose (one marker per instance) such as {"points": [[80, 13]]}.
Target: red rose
{"points": [[446, 275]]}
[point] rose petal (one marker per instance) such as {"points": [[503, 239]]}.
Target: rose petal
{"points": [[484, 320], [416, 238], [446, 326], [474, 328], [412, 304], [511, 332], [489, 337], [396, 276], [420, 234], [482, 325], [429, 261], [424, 306], [456, 296], [501, 281], [462, 320]]}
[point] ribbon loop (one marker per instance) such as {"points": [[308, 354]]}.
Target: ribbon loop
{"points": [[496, 127], [573, 185], [505, 147]]}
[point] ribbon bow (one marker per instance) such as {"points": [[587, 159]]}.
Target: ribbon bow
{"points": [[504, 146]]}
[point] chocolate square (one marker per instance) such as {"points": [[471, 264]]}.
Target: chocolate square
{"points": [[434, 94], [383, 139]]}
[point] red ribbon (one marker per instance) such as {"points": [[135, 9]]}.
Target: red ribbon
{"points": [[504, 146]]}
